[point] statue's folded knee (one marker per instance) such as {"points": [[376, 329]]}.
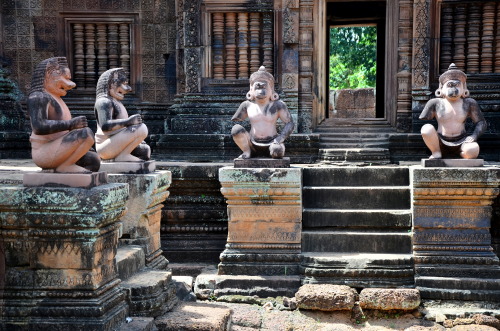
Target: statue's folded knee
{"points": [[277, 151], [237, 130], [427, 129]]}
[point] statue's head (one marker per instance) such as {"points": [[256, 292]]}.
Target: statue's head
{"points": [[453, 84], [262, 86], [52, 76], [113, 83]]}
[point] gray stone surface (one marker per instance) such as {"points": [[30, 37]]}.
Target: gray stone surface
{"points": [[452, 163], [51, 179], [389, 299], [145, 167], [194, 316], [129, 260], [326, 297], [184, 288], [262, 163], [150, 293], [139, 324]]}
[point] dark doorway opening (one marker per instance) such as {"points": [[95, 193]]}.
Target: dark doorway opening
{"points": [[365, 16]]}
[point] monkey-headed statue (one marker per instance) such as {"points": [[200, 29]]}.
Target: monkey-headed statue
{"points": [[451, 108], [58, 141]]}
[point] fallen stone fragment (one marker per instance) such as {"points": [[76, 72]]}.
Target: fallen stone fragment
{"points": [[204, 286], [389, 299], [326, 297], [290, 303], [435, 316], [464, 321], [482, 319], [436, 327]]}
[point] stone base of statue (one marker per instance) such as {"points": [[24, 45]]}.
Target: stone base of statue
{"points": [[60, 246], [49, 178], [141, 224], [145, 167], [262, 163], [452, 163], [265, 214], [452, 241]]}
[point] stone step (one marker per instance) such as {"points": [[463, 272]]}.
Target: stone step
{"points": [[367, 155], [353, 218], [150, 292], [358, 269], [356, 176], [194, 316], [352, 140], [129, 260], [353, 144], [394, 197], [356, 241], [463, 295], [138, 324], [354, 135], [455, 283]]}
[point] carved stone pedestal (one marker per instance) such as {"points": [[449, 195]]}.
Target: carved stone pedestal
{"points": [[141, 224], [60, 246], [452, 241], [265, 214]]}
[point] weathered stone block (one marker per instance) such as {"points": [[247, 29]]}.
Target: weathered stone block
{"points": [[51, 179], [63, 274], [145, 167], [141, 224], [326, 297], [452, 249], [196, 316], [389, 299], [265, 213]]}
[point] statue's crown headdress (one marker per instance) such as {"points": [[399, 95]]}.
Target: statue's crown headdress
{"points": [[453, 73], [262, 74]]}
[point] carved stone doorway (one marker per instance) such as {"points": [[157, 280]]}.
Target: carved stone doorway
{"points": [[385, 15]]}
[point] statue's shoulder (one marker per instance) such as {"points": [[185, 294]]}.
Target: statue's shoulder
{"points": [[103, 102], [280, 104], [470, 101], [39, 95]]}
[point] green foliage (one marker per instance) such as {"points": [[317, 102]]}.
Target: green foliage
{"points": [[353, 57]]}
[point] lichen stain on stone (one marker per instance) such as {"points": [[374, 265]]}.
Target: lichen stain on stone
{"points": [[262, 175]]}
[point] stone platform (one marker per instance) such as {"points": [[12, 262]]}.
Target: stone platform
{"points": [[53, 179], [145, 167], [265, 213], [452, 249], [262, 163], [452, 163], [141, 224], [60, 246]]}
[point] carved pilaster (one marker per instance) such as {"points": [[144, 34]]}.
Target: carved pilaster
{"points": [[192, 56], [102, 45], [460, 37], [254, 42], [179, 42], [404, 53], [267, 43], [473, 38], [290, 24], [243, 63], [488, 37], [113, 45], [497, 44], [125, 47], [78, 39], [230, 46], [452, 241], [421, 50], [218, 45], [90, 75], [192, 60], [446, 37]]}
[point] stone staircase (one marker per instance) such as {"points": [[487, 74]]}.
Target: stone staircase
{"points": [[357, 226], [364, 141]]}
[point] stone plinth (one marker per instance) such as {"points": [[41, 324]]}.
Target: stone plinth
{"points": [[145, 167], [53, 179], [60, 246], [262, 163], [141, 223], [265, 214], [452, 163], [452, 249]]}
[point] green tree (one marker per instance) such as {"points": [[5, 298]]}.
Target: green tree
{"points": [[353, 57]]}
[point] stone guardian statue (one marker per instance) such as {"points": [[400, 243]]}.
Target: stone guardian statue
{"points": [[263, 109], [451, 108], [58, 141], [119, 137]]}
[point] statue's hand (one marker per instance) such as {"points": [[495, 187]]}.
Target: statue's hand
{"points": [[469, 139], [135, 119], [78, 123]]}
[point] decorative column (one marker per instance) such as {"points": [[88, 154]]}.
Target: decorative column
{"points": [[404, 65], [218, 45], [124, 47], [452, 249], [113, 45], [242, 46], [141, 224], [473, 39], [230, 46], [60, 246], [488, 37], [79, 56], [90, 77], [265, 221]]}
